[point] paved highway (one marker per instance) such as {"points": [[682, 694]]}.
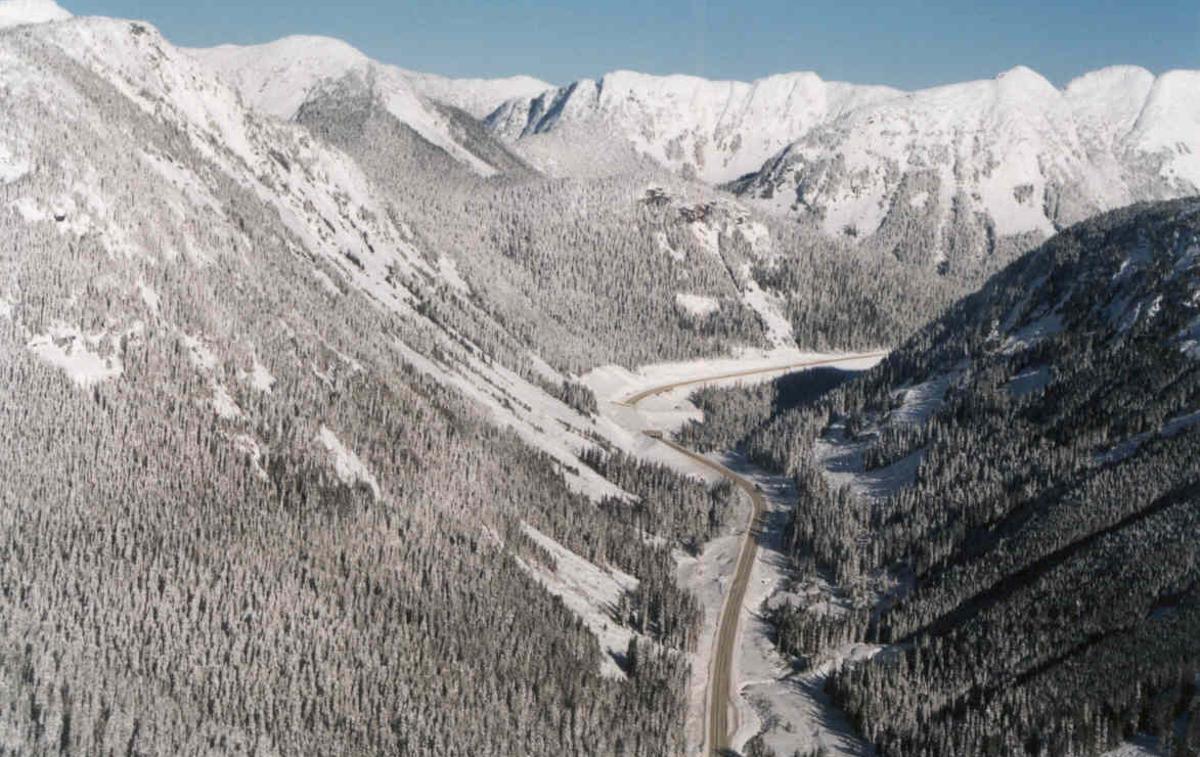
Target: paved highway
{"points": [[721, 715]]}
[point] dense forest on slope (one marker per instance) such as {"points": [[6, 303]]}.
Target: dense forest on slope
{"points": [[1009, 504], [731, 413], [234, 516], [584, 272]]}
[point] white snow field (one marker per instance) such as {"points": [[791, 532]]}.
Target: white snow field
{"points": [[348, 466], [1139, 746], [589, 591], [697, 305], [77, 354]]}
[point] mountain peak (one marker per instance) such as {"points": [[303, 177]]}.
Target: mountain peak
{"points": [[19, 12], [1025, 78]]}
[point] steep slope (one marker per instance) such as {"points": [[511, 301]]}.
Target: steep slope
{"points": [[477, 97], [261, 480], [279, 76], [634, 268], [325, 199], [1166, 130], [586, 272], [1009, 503]]}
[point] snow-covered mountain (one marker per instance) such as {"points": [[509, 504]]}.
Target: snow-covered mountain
{"points": [[971, 165], [285, 70], [233, 371], [962, 175], [147, 158], [716, 131], [294, 351], [278, 77], [958, 179]]}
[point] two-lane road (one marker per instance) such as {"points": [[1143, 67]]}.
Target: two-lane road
{"points": [[720, 682], [720, 726]]}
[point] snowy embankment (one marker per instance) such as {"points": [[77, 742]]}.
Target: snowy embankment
{"points": [[667, 411], [1139, 746], [349, 467]]}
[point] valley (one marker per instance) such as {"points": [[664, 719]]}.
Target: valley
{"points": [[351, 409]]}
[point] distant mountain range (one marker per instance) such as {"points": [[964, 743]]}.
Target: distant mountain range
{"points": [[957, 178], [952, 176]]}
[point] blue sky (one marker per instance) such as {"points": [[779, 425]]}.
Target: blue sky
{"points": [[905, 43]]}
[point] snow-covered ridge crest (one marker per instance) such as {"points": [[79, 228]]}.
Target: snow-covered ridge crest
{"points": [[983, 169], [279, 77], [714, 130], [1108, 138], [19, 12], [478, 97], [288, 67]]}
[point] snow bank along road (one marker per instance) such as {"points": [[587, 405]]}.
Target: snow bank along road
{"points": [[720, 682]]}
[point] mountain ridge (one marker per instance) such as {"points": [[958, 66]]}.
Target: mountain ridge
{"points": [[278, 77], [477, 96], [509, 122]]}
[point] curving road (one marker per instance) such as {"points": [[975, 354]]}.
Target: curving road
{"points": [[633, 400], [719, 700]]}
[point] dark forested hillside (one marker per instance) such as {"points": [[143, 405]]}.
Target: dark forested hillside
{"points": [[1010, 505], [731, 413], [235, 514]]}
